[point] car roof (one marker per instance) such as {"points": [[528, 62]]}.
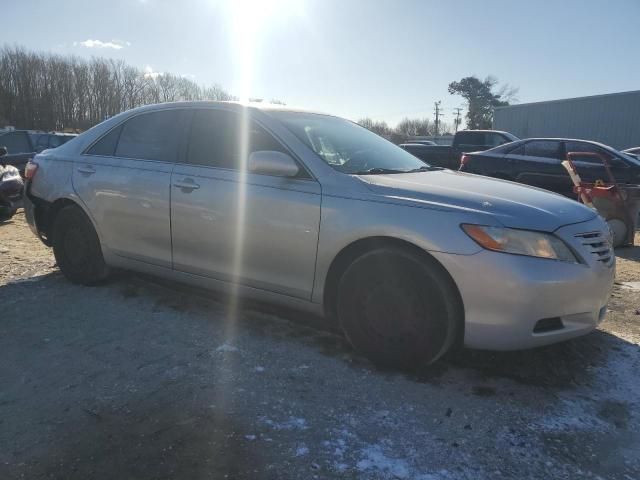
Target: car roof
{"points": [[567, 140], [232, 104]]}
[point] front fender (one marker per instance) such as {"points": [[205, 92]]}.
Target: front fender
{"points": [[345, 221]]}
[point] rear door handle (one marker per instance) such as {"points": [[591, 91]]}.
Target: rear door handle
{"points": [[87, 169], [187, 184]]}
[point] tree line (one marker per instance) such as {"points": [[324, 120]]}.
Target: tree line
{"points": [[42, 91], [481, 97]]}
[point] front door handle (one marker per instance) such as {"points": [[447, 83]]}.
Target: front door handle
{"points": [[187, 184], [87, 169]]}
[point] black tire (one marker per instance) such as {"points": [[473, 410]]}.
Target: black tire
{"points": [[398, 309], [77, 248]]}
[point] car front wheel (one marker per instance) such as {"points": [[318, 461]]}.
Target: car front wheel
{"points": [[398, 309]]}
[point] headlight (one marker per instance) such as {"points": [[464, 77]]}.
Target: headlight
{"points": [[520, 242]]}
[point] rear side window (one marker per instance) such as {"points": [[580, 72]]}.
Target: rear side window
{"points": [[106, 145], [543, 148], [584, 147], [151, 136], [508, 148], [470, 138], [215, 139], [16, 142], [483, 139]]}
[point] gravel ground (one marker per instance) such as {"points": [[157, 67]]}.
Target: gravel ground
{"points": [[143, 379]]}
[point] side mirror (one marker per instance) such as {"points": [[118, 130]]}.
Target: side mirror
{"points": [[3, 151], [276, 164]]}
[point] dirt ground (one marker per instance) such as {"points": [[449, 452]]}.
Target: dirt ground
{"points": [[142, 379]]}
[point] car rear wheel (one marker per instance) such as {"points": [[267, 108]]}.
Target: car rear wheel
{"points": [[398, 309], [77, 248], [6, 213]]}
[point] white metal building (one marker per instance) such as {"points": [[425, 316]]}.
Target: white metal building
{"points": [[612, 119]]}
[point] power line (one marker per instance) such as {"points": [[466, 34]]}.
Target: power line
{"points": [[457, 120], [438, 114]]}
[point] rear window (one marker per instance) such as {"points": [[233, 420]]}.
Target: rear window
{"points": [[151, 136]]}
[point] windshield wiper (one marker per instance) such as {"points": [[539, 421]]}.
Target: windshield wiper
{"points": [[424, 168], [378, 171]]}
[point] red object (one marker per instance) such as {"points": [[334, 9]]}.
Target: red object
{"points": [[614, 202], [30, 170]]}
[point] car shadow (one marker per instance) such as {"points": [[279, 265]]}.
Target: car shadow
{"points": [[562, 365], [629, 253]]}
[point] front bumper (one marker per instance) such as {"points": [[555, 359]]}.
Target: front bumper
{"points": [[506, 296]]}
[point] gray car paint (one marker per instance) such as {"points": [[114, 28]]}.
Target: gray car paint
{"points": [[295, 228]]}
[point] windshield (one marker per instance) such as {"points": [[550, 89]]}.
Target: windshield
{"points": [[347, 147]]}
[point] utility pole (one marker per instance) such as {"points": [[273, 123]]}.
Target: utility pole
{"points": [[438, 115], [457, 121]]}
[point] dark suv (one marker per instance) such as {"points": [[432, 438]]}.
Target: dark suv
{"points": [[537, 162], [43, 141], [19, 146]]}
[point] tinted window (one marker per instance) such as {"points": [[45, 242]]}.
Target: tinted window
{"points": [[107, 144], [543, 148], [508, 148], [584, 147], [470, 138], [55, 141], [43, 142], [16, 142], [215, 139], [151, 136], [485, 139]]}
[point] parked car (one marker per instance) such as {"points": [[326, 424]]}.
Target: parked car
{"points": [[11, 186], [19, 146], [316, 212], [463, 141], [635, 151], [537, 162], [42, 141]]}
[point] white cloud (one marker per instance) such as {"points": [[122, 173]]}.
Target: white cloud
{"points": [[115, 44], [149, 73]]}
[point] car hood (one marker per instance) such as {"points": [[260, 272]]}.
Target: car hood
{"points": [[512, 204]]}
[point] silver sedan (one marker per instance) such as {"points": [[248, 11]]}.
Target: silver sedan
{"points": [[315, 212]]}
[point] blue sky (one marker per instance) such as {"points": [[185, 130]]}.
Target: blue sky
{"points": [[355, 58]]}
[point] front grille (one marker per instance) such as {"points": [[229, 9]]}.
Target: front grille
{"points": [[598, 245]]}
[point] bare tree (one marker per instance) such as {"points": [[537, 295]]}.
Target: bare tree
{"points": [[52, 92], [379, 127]]}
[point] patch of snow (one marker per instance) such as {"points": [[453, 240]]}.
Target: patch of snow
{"points": [[292, 423], [374, 460], [630, 286], [225, 347], [301, 451], [572, 414], [250, 437], [259, 369]]}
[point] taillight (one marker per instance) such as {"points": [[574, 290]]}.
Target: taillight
{"points": [[464, 159], [30, 170]]}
